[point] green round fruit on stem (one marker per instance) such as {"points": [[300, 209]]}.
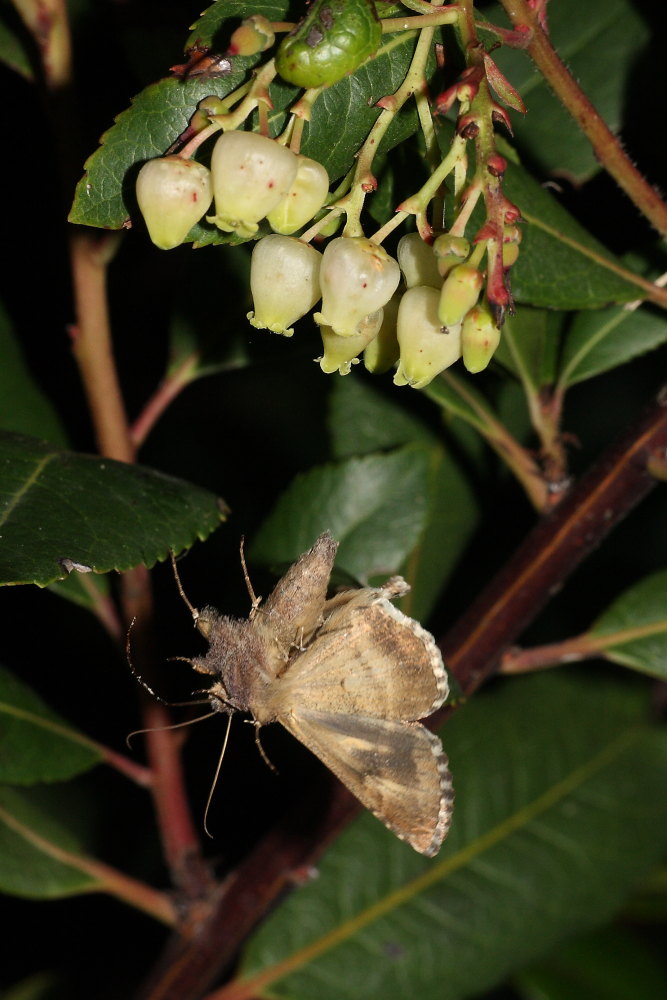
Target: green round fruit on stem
{"points": [[334, 39]]}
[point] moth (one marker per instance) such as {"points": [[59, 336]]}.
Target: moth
{"points": [[349, 677]]}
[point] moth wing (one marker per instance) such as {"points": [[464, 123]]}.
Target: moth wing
{"points": [[398, 770], [294, 609], [368, 659]]}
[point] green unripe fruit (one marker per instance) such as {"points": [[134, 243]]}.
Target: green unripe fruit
{"points": [[340, 353], [334, 38], [304, 199], [426, 348], [479, 339], [173, 194], [418, 262], [251, 175], [459, 294], [357, 278], [284, 275]]}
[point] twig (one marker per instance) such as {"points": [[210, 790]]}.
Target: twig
{"points": [[553, 550], [607, 147], [105, 878]]}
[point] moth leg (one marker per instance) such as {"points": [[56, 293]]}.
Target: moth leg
{"points": [[258, 743]]}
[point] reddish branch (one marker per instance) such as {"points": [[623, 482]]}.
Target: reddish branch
{"points": [[606, 145], [550, 553]]}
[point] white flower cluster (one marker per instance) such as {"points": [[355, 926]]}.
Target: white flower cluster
{"points": [[423, 327], [251, 178]]}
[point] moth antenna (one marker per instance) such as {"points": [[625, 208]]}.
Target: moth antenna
{"points": [[255, 601], [176, 725], [216, 776], [191, 608], [258, 743], [136, 674]]}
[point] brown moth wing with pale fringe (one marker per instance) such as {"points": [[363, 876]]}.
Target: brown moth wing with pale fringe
{"points": [[294, 609], [398, 770], [368, 658]]}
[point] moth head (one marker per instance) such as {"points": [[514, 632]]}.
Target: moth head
{"points": [[219, 699]]}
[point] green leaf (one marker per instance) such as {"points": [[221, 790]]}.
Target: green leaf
{"points": [[40, 986], [560, 808], [101, 515], [460, 398], [611, 964], [34, 828], [529, 346], [375, 506], [560, 265], [200, 344], [25, 409], [636, 627], [361, 420], [23, 406], [37, 744], [85, 589], [13, 51], [597, 342], [601, 44]]}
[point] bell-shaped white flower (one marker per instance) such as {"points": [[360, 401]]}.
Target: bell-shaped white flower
{"points": [[284, 275], [340, 353], [173, 194], [357, 278], [418, 262], [251, 175], [427, 348], [305, 197]]}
